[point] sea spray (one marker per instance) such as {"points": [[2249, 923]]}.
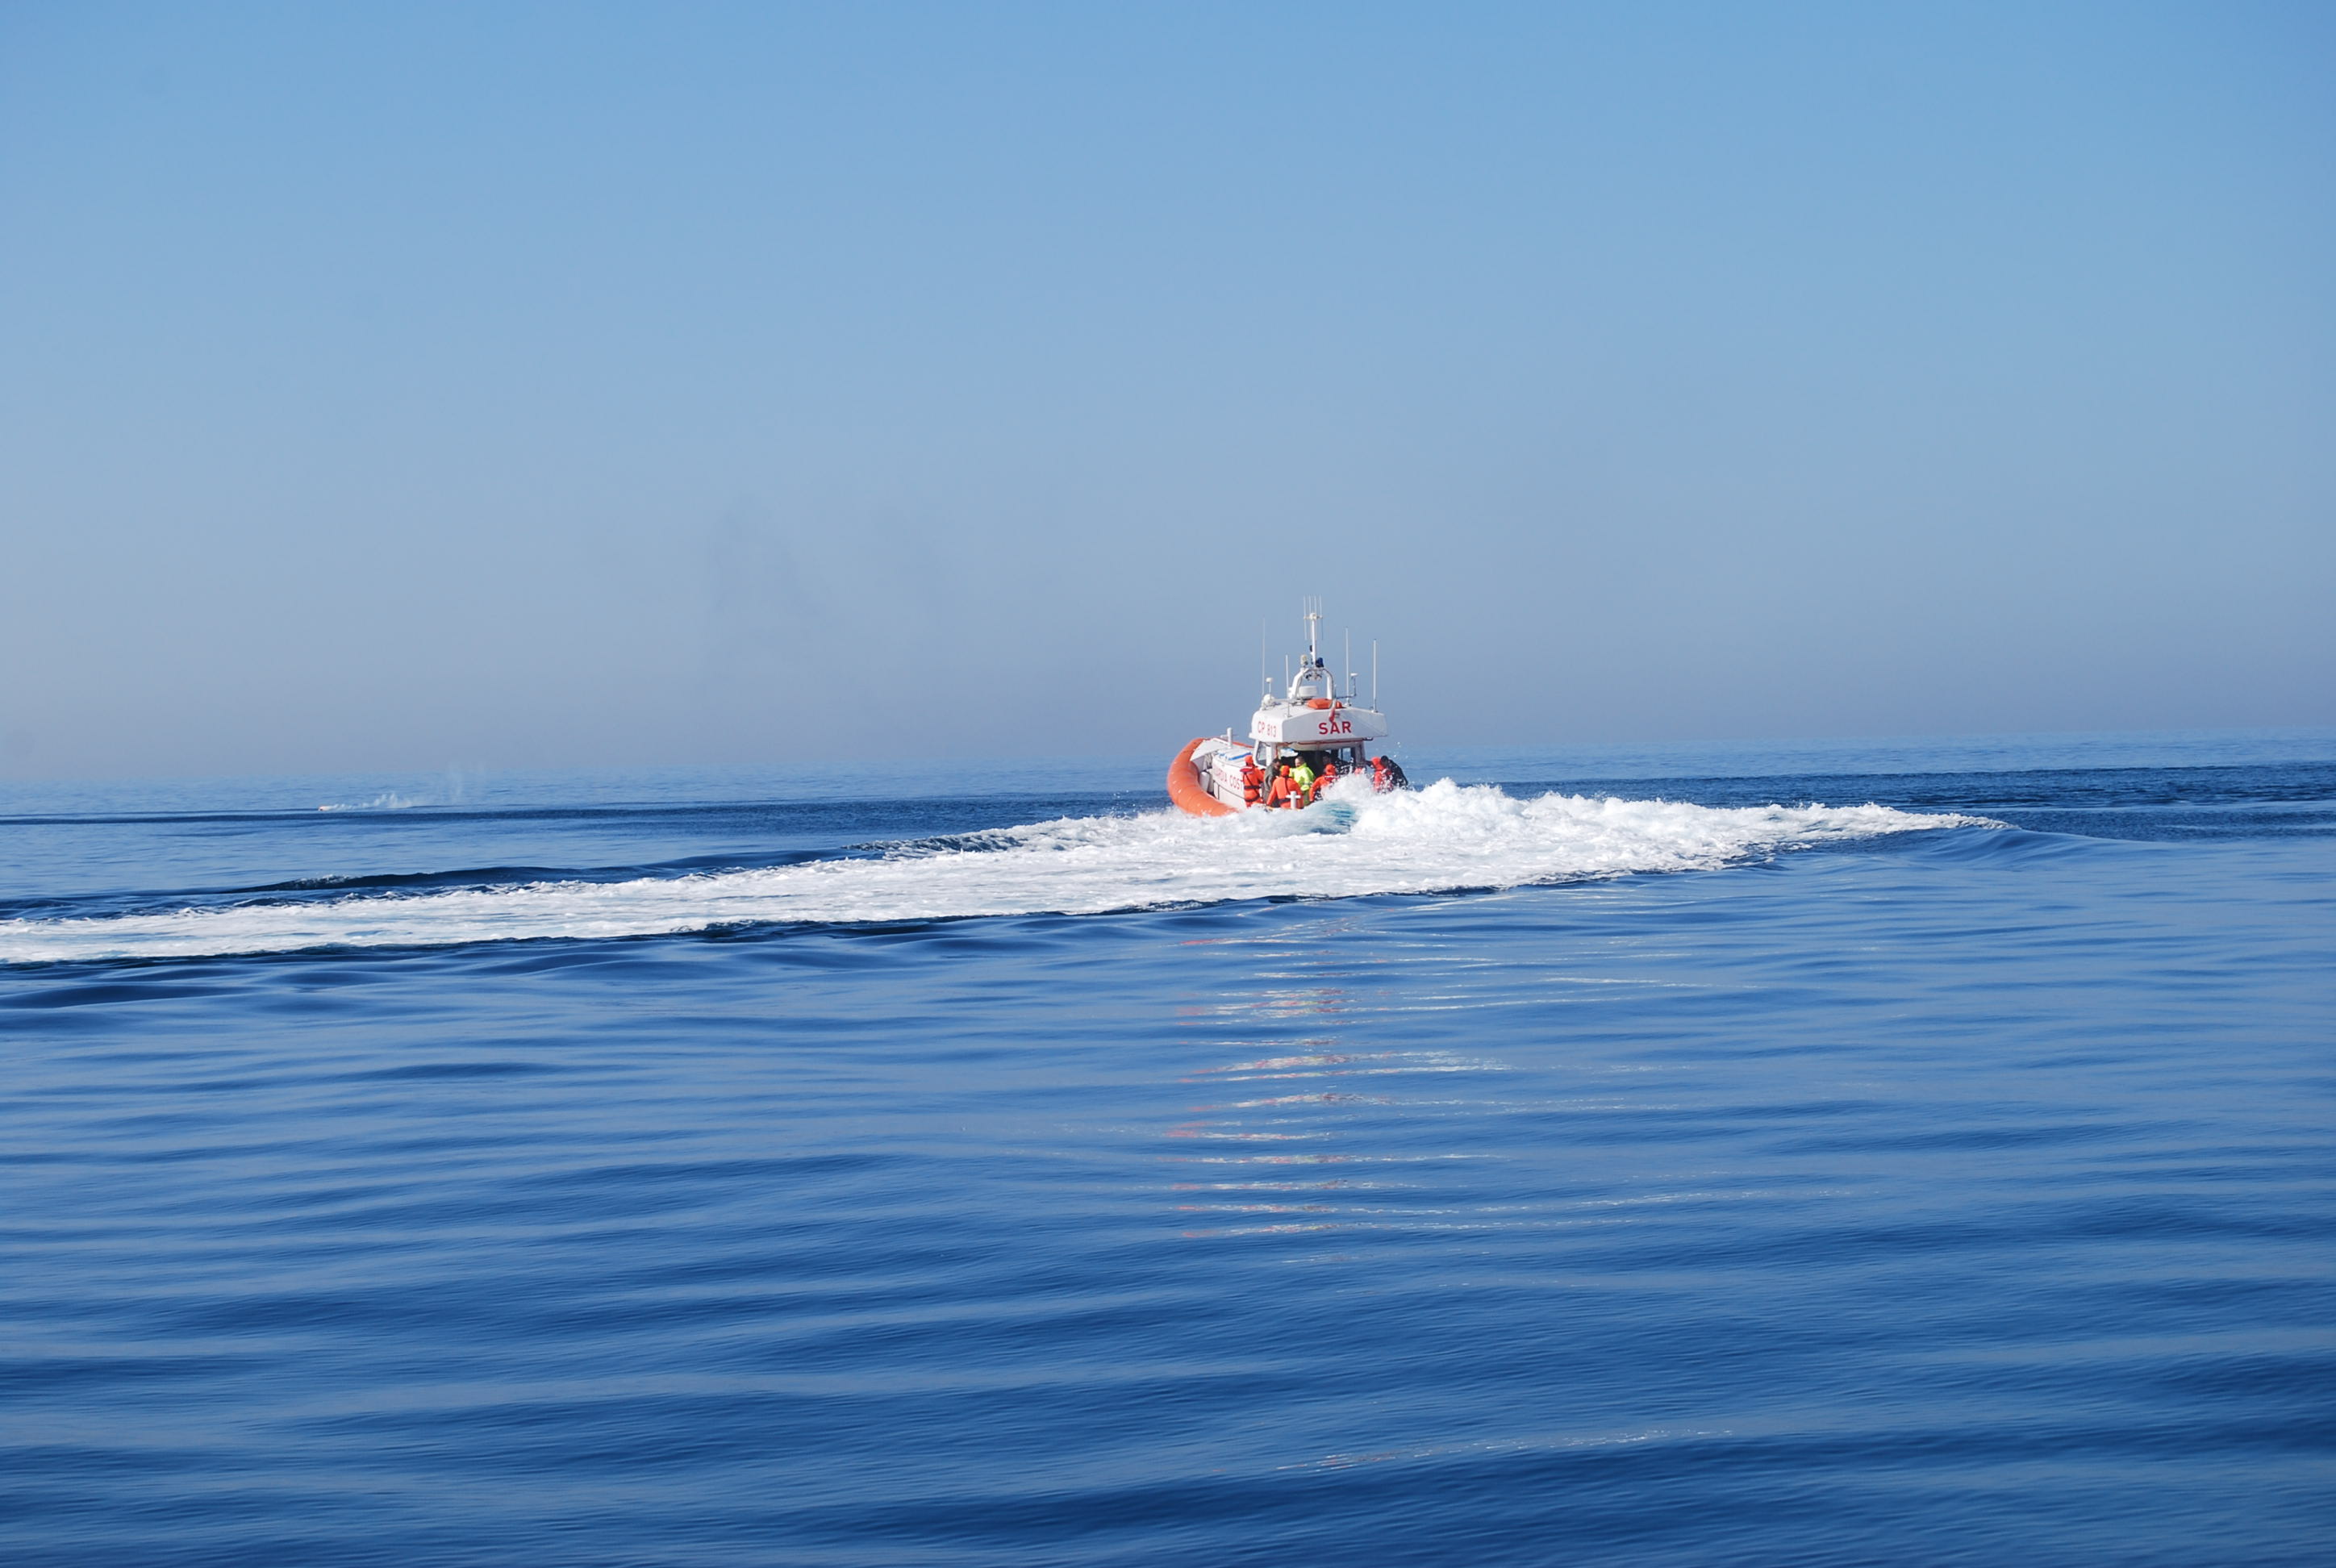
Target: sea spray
{"points": [[1353, 843]]}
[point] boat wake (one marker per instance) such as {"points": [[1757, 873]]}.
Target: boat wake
{"points": [[1354, 843]]}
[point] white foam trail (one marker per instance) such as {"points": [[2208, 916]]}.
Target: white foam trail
{"points": [[387, 801], [1441, 837]]}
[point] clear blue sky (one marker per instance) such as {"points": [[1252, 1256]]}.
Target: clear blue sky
{"points": [[388, 386]]}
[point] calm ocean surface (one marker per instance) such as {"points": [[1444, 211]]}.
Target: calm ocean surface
{"points": [[1910, 1152]]}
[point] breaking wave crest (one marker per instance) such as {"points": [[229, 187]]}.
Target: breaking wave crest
{"points": [[1437, 838]]}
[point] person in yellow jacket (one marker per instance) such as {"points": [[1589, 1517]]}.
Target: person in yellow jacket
{"points": [[1301, 782]]}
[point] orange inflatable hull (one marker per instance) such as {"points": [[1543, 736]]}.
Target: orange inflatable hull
{"points": [[1185, 787]]}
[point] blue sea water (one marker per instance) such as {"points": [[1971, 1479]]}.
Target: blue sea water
{"points": [[1909, 1152]]}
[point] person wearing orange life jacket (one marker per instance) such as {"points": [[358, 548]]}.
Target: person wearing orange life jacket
{"points": [[1252, 780], [1329, 774], [1280, 797]]}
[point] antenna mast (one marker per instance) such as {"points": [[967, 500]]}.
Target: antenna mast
{"points": [[1313, 604]]}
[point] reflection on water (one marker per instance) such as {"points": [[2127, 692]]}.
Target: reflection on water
{"points": [[1340, 1127], [1410, 1162]]}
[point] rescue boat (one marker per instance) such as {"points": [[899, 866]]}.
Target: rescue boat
{"points": [[1299, 740]]}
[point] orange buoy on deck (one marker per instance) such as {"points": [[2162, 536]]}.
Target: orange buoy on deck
{"points": [[1185, 790]]}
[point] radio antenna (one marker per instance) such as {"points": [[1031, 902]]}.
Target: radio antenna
{"points": [[1375, 674]]}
